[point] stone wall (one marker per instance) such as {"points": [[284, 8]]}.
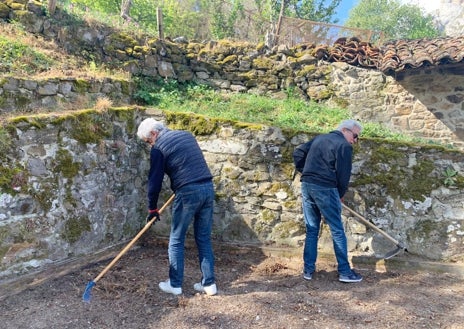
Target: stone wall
{"points": [[55, 94], [74, 184], [425, 102]]}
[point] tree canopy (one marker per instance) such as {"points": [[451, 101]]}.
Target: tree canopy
{"points": [[313, 10], [251, 19], [203, 19], [394, 19]]}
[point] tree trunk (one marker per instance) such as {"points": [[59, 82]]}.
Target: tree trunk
{"points": [[125, 9], [279, 22], [51, 6]]}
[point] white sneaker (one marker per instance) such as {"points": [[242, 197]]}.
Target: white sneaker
{"points": [[209, 290], [166, 287]]}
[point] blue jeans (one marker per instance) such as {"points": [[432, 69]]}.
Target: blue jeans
{"points": [[193, 202], [319, 200]]}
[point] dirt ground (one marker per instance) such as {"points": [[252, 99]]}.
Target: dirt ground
{"points": [[255, 291]]}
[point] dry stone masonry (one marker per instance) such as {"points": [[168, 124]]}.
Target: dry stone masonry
{"points": [[73, 185], [425, 102]]}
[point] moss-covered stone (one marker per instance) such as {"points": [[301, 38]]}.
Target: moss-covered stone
{"points": [[230, 60], [81, 85], [306, 70], [263, 63], [65, 165], [3, 251], [32, 121], [267, 216], [428, 230], [127, 115], [13, 179], [46, 193], [74, 228], [197, 124], [288, 229], [5, 142], [388, 167], [89, 127]]}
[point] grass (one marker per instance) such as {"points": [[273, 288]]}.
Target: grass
{"points": [[289, 112], [24, 55]]}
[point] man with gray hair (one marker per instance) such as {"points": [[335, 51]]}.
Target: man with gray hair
{"points": [[178, 154], [325, 166]]}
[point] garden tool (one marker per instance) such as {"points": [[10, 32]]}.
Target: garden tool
{"points": [[399, 247], [87, 293]]}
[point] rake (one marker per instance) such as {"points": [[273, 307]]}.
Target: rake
{"points": [[87, 295], [399, 247]]}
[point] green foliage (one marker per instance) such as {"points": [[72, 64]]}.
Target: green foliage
{"points": [[21, 59], [180, 18], [313, 10], [450, 177], [223, 23], [205, 19], [290, 112], [397, 21]]}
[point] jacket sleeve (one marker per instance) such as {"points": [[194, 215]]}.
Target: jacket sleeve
{"points": [[155, 177], [299, 155], [344, 164]]}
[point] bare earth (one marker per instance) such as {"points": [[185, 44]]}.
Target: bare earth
{"points": [[255, 291]]}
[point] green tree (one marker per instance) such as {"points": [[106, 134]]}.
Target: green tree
{"points": [[224, 19], [206, 19], [313, 10], [180, 17], [395, 20]]}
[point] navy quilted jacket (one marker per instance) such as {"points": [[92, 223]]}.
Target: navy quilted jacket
{"points": [[177, 154]]}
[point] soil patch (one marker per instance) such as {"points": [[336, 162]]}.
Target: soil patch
{"points": [[255, 291]]}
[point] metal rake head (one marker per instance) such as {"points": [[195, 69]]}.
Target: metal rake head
{"points": [[87, 295]]}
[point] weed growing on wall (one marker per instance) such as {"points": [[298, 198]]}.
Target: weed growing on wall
{"points": [[20, 58]]}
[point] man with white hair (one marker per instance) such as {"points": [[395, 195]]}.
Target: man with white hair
{"points": [[325, 166], [177, 154]]}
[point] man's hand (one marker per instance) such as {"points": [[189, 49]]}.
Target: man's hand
{"points": [[151, 214]]}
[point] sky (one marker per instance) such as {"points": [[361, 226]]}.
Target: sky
{"points": [[345, 5], [343, 10]]}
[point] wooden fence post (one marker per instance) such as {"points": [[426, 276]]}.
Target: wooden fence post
{"points": [[51, 6], [159, 16]]}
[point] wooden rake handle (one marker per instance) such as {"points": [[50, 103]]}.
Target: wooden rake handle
{"points": [[130, 244], [375, 228]]}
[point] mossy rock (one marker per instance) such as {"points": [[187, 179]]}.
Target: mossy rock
{"points": [[74, 228], [197, 124], [12, 179], [65, 165]]}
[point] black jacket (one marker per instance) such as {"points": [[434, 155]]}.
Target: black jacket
{"points": [[327, 161]]}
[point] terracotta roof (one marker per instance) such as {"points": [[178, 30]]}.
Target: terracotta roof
{"points": [[396, 56]]}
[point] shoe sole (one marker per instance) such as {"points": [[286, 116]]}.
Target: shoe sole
{"points": [[349, 281], [308, 278]]}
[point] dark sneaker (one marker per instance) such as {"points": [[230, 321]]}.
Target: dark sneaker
{"points": [[308, 276], [352, 277]]}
